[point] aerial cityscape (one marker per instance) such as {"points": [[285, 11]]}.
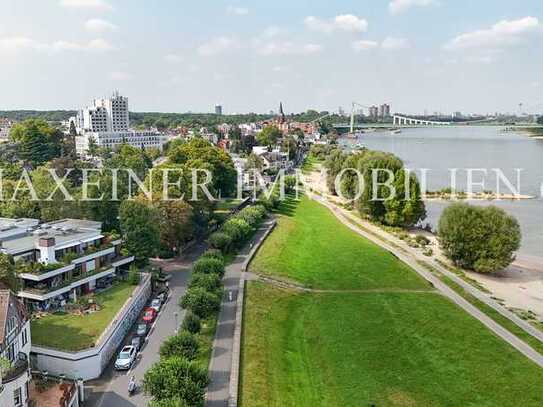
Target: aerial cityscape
{"points": [[280, 204]]}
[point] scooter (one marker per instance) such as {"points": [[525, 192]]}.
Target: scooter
{"points": [[132, 386]]}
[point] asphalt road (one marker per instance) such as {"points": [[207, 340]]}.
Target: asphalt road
{"points": [[111, 389]]}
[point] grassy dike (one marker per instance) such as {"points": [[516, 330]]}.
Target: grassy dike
{"points": [[376, 334]]}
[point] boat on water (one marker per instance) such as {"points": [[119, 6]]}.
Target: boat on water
{"points": [[358, 146], [395, 131]]}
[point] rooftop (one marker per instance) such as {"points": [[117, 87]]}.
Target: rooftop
{"points": [[19, 239]]}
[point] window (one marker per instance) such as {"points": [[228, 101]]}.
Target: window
{"points": [[17, 397], [24, 337]]}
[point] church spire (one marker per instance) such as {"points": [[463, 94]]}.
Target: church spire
{"points": [[281, 113]]}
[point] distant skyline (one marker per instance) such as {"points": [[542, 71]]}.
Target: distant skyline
{"points": [[178, 56]]}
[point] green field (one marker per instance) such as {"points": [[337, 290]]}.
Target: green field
{"points": [[310, 246], [80, 331], [380, 347]]}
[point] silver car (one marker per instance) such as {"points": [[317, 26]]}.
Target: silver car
{"points": [[126, 358]]}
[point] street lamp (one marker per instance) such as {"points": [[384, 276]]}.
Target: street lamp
{"points": [[176, 315]]}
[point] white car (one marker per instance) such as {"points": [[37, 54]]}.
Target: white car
{"points": [[126, 358], [155, 304]]}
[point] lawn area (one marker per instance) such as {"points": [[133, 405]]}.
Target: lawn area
{"points": [[310, 246], [80, 331], [387, 349], [371, 347]]}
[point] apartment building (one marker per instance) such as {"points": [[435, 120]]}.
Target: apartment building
{"points": [[61, 260]]}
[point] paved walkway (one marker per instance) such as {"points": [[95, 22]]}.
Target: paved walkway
{"points": [[220, 367], [499, 330], [111, 389]]}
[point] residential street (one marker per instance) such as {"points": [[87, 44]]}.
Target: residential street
{"points": [[112, 387], [220, 369]]}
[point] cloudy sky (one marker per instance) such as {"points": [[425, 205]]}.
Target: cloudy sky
{"points": [[181, 55]]}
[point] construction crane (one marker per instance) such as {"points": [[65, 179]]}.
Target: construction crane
{"points": [[354, 104]]}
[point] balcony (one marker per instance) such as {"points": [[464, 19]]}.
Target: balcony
{"points": [[19, 367]]}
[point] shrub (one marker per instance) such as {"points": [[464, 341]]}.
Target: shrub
{"points": [[253, 215], [483, 239], [213, 254], [176, 377], [184, 344], [201, 302], [134, 275], [238, 229], [172, 402], [422, 240], [208, 266], [221, 241], [209, 282], [428, 251], [192, 323]]}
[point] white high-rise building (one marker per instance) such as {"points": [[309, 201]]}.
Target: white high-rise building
{"points": [[106, 123], [109, 114]]}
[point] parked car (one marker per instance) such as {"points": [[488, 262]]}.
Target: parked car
{"points": [[149, 315], [136, 342], [155, 304], [126, 358], [141, 329], [162, 296]]}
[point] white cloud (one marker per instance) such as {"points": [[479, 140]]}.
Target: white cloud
{"points": [[273, 31], [344, 22], [173, 58], [280, 68], [286, 48], [392, 43], [364, 45], [399, 6], [100, 44], [218, 45], [237, 11], [17, 43], [120, 76], [25, 43], [98, 25], [503, 33], [99, 5]]}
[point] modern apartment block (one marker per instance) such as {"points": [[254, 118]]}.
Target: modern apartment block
{"points": [[106, 123], [61, 260]]}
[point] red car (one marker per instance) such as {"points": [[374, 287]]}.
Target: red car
{"points": [[149, 315]]}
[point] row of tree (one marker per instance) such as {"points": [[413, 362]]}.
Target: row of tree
{"points": [[363, 178]]}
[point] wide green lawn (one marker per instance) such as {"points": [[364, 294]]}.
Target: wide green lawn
{"points": [[380, 335], [310, 246], [76, 332], [385, 349]]}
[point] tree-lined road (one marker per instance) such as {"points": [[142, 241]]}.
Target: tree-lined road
{"points": [[111, 389]]}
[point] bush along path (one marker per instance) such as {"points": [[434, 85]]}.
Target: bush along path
{"points": [[181, 376]]}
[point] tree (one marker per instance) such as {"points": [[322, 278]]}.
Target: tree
{"points": [[540, 120], [8, 276], [334, 164], [290, 183], [483, 239], [208, 265], [175, 223], [183, 344], [173, 402], [290, 146], [176, 377], [209, 282], [269, 136], [201, 302], [198, 154], [37, 141], [237, 229], [406, 208], [140, 229], [192, 323], [254, 162], [247, 143], [220, 241], [134, 275]]}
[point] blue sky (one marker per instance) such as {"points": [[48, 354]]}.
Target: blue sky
{"points": [[176, 56]]}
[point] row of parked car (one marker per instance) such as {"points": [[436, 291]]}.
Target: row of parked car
{"points": [[127, 355]]}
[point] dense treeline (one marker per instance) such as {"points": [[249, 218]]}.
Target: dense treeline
{"points": [[361, 178]]}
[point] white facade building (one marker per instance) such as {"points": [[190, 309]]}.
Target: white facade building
{"points": [[106, 123]]}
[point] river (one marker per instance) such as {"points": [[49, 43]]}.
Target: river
{"points": [[477, 147]]}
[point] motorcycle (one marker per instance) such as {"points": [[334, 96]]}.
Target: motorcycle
{"points": [[132, 386]]}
